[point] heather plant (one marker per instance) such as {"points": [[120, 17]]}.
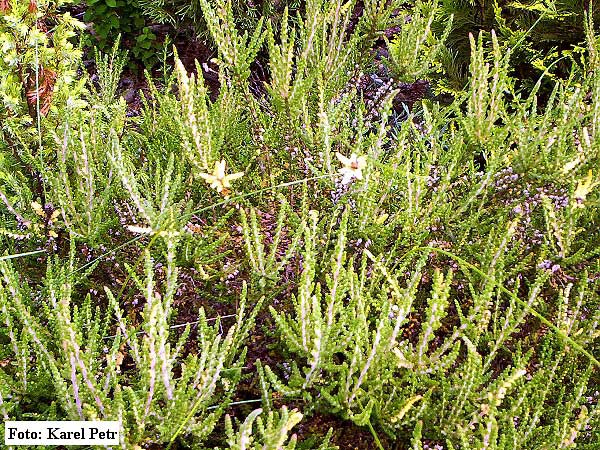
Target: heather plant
{"points": [[427, 273], [346, 331], [416, 52], [361, 363], [75, 194], [88, 370], [267, 265], [271, 433], [38, 82]]}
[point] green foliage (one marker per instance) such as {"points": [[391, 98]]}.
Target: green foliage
{"points": [[547, 36], [266, 266], [76, 359], [110, 18], [273, 433], [189, 13], [38, 86], [415, 53], [360, 364], [37, 69], [430, 277]]}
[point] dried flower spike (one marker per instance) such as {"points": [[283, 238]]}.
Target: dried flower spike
{"points": [[353, 167], [139, 230]]}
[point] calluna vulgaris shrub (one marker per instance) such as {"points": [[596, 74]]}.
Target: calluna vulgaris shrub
{"points": [[331, 242]]}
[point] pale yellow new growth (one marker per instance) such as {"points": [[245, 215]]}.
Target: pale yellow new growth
{"points": [[584, 187], [218, 180]]}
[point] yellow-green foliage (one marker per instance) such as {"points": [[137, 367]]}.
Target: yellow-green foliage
{"points": [[429, 274]]}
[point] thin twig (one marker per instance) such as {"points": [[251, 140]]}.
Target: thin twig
{"points": [[20, 255], [181, 325], [12, 210], [242, 402]]}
